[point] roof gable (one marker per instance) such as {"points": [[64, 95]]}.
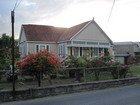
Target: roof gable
{"points": [[92, 32]]}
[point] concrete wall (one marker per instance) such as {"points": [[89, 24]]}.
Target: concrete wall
{"points": [[62, 89]]}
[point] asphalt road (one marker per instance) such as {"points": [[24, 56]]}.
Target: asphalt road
{"points": [[127, 95]]}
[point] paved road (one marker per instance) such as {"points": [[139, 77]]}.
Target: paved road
{"points": [[128, 95]]}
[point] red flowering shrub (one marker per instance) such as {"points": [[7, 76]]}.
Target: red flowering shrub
{"points": [[38, 63], [133, 60], [106, 63], [100, 61]]}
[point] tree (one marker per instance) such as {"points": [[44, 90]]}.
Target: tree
{"points": [[5, 51], [36, 64]]}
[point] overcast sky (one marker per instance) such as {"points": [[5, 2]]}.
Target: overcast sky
{"points": [[123, 25]]}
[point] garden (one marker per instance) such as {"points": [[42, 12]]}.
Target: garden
{"points": [[44, 69]]}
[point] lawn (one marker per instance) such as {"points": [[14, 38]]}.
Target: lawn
{"points": [[135, 69]]}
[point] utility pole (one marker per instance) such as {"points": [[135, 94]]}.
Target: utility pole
{"points": [[13, 53], [13, 47]]}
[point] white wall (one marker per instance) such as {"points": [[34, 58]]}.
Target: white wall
{"points": [[22, 36], [22, 44], [92, 32], [52, 46]]}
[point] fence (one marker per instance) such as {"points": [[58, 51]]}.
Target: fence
{"points": [[68, 76], [116, 71]]}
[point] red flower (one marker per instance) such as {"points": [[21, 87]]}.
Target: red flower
{"points": [[38, 61]]}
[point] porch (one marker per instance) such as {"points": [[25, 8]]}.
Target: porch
{"points": [[86, 51], [85, 48]]}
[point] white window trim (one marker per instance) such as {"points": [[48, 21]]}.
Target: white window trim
{"points": [[27, 49], [62, 50], [43, 45]]}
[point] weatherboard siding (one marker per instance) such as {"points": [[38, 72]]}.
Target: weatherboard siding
{"points": [[91, 32], [22, 37], [32, 46]]}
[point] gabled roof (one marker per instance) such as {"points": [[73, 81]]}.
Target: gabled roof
{"points": [[68, 34], [54, 34], [42, 32]]}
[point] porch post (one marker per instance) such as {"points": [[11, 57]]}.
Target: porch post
{"points": [[98, 51], [78, 51]]}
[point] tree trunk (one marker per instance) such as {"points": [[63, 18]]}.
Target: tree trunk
{"points": [[97, 73], [38, 77], [78, 76], [49, 79]]}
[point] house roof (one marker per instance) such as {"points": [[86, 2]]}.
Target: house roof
{"points": [[42, 32], [68, 34], [54, 34], [123, 43]]}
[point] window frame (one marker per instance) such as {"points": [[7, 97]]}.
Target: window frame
{"points": [[47, 46]]}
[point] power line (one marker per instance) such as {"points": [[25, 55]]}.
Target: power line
{"points": [[111, 10], [17, 4]]}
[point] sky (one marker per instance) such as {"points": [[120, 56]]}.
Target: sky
{"points": [[123, 25]]}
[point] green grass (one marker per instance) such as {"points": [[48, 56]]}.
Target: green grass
{"points": [[135, 69], [90, 76]]}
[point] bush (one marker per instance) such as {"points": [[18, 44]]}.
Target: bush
{"points": [[133, 60], [99, 64], [37, 64], [76, 63]]}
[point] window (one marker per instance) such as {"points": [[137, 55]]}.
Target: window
{"points": [[104, 44], [47, 47], [92, 43], [62, 50], [78, 42], [101, 51], [76, 51], [42, 47], [37, 48], [69, 42], [96, 51], [71, 51]]}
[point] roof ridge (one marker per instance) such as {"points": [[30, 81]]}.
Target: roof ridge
{"points": [[43, 25]]}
